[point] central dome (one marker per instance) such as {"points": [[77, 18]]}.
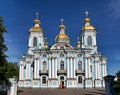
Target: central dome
{"points": [[62, 36]]}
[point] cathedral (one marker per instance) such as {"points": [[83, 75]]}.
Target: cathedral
{"points": [[81, 66]]}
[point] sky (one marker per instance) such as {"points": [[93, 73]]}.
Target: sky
{"points": [[18, 18]]}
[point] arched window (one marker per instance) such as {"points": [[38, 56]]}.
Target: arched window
{"points": [[44, 80], [79, 65], [61, 65], [44, 66], [79, 79], [34, 41], [89, 40]]}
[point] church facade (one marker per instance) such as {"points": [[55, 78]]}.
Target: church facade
{"points": [[62, 64]]}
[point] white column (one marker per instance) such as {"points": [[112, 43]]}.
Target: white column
{"points": [[56, 68], [38, 67], [52, 67], [29, 42], [74, 67], [102, 70], [86, 69], [94, 40], [98, 70], [85, 40], [105, 70], [71, 67], [35, 69], [49, 67], [68, 71], [20, 72], [28, 70], [89, 69], [22, 76]]}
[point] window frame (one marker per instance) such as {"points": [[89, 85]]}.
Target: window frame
{"points": [[79, 65], [35, 41], [89, 40], [62, 65]]}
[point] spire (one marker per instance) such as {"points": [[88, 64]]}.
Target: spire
{"points": [[62, 26], [37, 21]]}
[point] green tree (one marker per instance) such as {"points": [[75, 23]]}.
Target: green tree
{"points": [[12, 70], [3, 47]]}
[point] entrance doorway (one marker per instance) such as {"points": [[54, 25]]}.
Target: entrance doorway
{"points": [[62, 82]]}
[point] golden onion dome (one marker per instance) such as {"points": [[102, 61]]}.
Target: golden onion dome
{"points": [[62, 36], [62, 26], [34, 29], [87, 25]]}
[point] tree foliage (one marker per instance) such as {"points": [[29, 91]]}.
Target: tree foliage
{"points": [[12, 70], [3, 47]]}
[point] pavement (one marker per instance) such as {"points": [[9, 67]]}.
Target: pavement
{"points": [[58, 91]]}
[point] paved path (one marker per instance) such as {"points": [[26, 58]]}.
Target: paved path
{"points": [[57, 91]]}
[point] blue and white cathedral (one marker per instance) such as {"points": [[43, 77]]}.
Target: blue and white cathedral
{"points": [[81, 66]]}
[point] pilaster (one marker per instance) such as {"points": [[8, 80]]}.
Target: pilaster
{"points": [[49, 68], [74, 68], [55, 68], [35, 68], [68, 68], [71, 70]]}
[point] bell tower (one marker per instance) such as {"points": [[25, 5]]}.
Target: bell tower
{"points": [[88, 35], [36, 37]]}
